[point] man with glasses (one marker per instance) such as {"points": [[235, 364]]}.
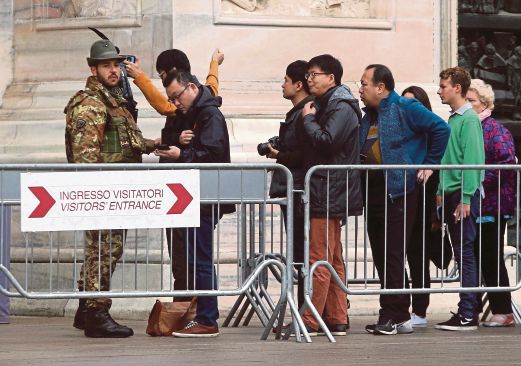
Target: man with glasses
{"points": [[198, 111], [330, 128], [168, 60]]}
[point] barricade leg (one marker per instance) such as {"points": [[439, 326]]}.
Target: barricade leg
{"points": [[258, 306], [255, 301], [233, 311], [5, 245], [517, 312], [492, 264], [244, 308]]}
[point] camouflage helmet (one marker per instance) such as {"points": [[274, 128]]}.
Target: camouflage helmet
{"points": [[103, 50]]}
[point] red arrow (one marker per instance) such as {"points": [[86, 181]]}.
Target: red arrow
{"points": [[46, 202], [183, 198]]}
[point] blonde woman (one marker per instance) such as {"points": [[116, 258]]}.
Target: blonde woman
{"points": [[498, 205]]}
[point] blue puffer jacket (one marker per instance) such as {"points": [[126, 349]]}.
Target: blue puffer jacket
{"points": [[404, 127]]}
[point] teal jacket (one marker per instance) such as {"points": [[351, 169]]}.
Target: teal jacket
{"points": [[404, 128]]}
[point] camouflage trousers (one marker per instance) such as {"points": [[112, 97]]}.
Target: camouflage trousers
{"points": [[102, 251]]}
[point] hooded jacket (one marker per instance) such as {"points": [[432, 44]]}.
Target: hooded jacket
{"points": [[291, 152], [332, 137], [210, 143]]}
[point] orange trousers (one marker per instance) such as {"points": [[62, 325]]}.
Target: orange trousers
{"points": [[328, 297]]}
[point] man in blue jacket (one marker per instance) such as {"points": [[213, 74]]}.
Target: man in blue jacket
{"points": [[394, 130]]}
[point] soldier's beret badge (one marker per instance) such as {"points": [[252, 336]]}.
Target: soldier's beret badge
{"points": [[80, 124]]}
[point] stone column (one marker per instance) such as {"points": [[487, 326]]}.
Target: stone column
{"points": [[6, 45], [448, 33]]}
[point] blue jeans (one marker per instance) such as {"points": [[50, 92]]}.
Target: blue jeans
{"points": [[201, 238], [464, 249]]}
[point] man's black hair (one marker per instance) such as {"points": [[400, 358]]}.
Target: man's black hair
{"points": [[328, 64], [170, 59], [181, 76], [297, 71], [383, 75]]}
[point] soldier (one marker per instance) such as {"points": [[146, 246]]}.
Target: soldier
{"points": [[100, 129]]}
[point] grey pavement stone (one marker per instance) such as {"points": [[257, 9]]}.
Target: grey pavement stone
{"points": [[53, 341]]}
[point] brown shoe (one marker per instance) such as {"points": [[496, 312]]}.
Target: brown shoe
{"points": [[196, 330]]}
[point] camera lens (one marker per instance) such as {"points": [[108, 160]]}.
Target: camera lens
{"points": [[263, 149]]}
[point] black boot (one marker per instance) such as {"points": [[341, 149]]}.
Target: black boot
{"points": [[79, 318], [99, 324]]}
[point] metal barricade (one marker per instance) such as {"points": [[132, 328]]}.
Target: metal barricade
{"points": [[47, 265], [361, 273]]}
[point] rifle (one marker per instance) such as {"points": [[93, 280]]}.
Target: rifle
{"points": [[124, 83]]}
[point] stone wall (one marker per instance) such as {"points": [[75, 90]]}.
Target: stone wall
{"points": [[260, 38], [54, 34], [6, 45]]}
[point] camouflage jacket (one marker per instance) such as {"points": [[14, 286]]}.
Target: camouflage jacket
{"points": [[99, 128]]}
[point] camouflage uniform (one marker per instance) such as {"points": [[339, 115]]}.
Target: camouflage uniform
{"points": [[101, 130]]}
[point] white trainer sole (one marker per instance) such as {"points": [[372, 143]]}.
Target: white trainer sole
{"points": [[457, 329], [183, 335]]}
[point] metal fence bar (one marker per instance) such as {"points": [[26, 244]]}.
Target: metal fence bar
{"points": [[364, 285], [252, 273]]}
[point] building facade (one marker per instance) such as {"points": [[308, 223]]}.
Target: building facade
{"points": [[47, 42]]}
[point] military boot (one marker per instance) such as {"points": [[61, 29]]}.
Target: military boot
{"points": [[79, 318], [99, 324]]}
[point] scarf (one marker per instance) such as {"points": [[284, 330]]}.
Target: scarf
{"points": [[485, 114]]}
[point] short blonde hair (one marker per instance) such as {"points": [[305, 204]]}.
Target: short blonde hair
{"points": [[484, 91]]}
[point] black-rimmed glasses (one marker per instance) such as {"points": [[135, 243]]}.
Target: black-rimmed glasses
{"points": [[313, 74], [172, 99]]}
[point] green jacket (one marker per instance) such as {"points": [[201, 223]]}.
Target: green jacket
{"points": [[465, 147], [99, 128]]}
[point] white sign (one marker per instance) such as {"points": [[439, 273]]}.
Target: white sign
{"points": [[109, 200]]}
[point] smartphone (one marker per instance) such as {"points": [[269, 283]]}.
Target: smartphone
{"points": [[163, 147], [130, 58]]}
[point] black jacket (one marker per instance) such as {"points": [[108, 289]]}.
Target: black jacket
{"points": [[332, 135], [210, 144], [291, 152]]}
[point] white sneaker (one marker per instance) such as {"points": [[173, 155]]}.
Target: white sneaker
{"points": [[500, 320], [404, 327], [418, 321]]}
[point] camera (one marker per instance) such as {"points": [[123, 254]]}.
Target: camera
{"points": [[130, 58], [263, 148]]}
